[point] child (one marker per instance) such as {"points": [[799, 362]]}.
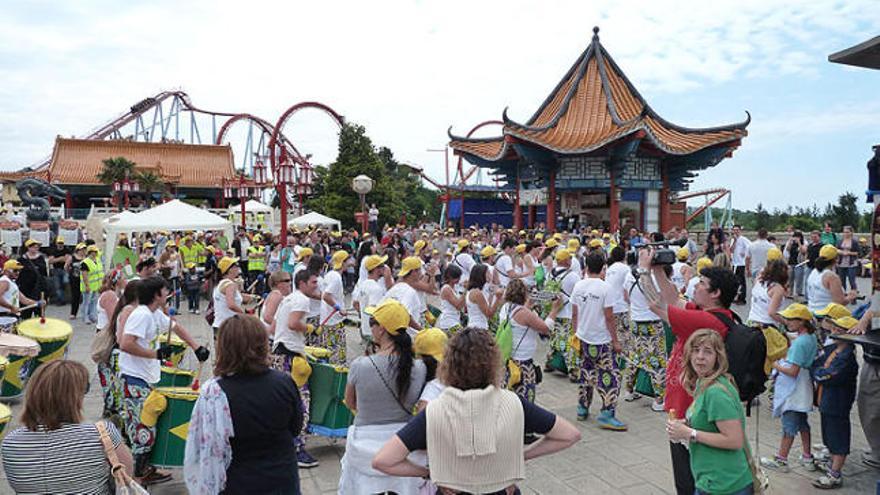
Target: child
{"points": [[192, 284], [793, 391], [835, 373]]}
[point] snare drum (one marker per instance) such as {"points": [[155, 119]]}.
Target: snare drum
{"points": [[172, 427], [178, 346], [53, 336], [19, 352], [5, 417], [8, 324]]}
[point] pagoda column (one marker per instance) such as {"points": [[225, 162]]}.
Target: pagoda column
{"points": [[551, 202], [664, 202], [613, 205], [517, 209], [533, 212]]}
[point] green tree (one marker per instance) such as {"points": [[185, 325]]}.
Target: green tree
{"points": [[116, 169], [150, 182], [762, 218], [845, 212]]}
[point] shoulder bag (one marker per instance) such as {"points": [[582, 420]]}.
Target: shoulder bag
{"points": [[125, 485]]}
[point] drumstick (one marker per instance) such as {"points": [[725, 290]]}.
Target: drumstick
{"points": [[169, 363], [42, 309]]}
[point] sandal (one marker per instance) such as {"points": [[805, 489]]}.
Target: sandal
{"points": [[153, 477]]}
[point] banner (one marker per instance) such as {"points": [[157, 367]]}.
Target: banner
{"points": [[528, 197]]}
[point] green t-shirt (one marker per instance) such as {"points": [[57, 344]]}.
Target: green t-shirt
{"points": [[717, 471]]}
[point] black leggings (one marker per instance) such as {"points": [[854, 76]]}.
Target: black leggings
{"points": [[75, 296], [681, 469]]}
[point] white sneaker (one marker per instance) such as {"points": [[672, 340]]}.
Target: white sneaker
{"points": [[828, 482], [631, 396], [775, 464], [809, 463], [657, 406]]}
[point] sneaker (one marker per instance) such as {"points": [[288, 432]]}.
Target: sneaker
{"points": [[305, 460], [607, 421], [583, 413], [809, 463], [828, 482], [775, 464], [657, 406], [631, 396], [196, 311]]}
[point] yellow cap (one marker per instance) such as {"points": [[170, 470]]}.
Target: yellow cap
{"points": [[430, 342], [170, 244], [30, 242], [338, 259], [828, 252], [92, 249], [463, 243], [863, 240], [606, 235], [557, 236], [190, 265], [833, 311], [12, 265], [682, 253], [522, 232], [59, 240], [845, 322], [574, 244], [419, 245], [337, 234], [562, 255], [594, 232], [551, 243], [390, 314], [539, 236], [702, 263], [149, 244], [450, 230], [409, 264], [595, 243], [79, 246], [487, 252], [225, 263], [796, 311], [304, 252], [520, 248], [774, 253], [258, 237], [375, 261]]}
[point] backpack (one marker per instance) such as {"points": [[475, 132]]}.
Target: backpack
{"points": [[504, 335], [746, 352]]}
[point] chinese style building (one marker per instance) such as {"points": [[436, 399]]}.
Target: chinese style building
{"points": [[186, 170], [596, 151]]}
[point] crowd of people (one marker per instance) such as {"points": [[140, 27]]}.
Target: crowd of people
{"points": [[451, 321]]}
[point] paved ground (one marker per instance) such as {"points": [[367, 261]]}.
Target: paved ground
{"points": [[633, 462]]}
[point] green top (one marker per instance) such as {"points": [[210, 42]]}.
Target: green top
{"points": [[717, 471]]}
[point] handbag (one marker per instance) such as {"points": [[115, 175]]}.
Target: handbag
{"points": [[102, 346], [125, 485]]}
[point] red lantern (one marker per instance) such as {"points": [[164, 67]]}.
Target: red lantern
{"points": [[259, 173]]}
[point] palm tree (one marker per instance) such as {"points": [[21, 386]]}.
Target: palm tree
{"points": [[150, 182], [116, 169]]}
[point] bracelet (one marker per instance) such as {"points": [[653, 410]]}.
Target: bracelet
{"points": [[694, 435]]}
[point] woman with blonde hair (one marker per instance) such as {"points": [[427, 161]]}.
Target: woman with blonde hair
{"points": [[280, 285], [714, 424], [55, 451]]}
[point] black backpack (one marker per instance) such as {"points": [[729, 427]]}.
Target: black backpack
{"points": [[746, 352]]}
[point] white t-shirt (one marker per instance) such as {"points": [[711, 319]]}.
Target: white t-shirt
{"points": [[466, 262], [638, 303], [758, 254], [504, 265], [740, 248], [332, 286], [567, 280], [592, 296], [432, 390], [293, 341], [146, 325], [615, 275], [677, 277], [371, 294], [403, 293]]}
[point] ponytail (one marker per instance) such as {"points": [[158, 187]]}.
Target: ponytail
{"points": [[403, 347]]}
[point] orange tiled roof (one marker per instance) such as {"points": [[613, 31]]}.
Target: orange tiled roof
{"points": [[593, 105], [79, 161]]}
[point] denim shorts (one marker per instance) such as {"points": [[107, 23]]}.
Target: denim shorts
{"points": [[836, 434], [794, 422]]}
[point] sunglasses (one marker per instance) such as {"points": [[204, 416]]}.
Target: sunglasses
{"points": [[373, 322]]}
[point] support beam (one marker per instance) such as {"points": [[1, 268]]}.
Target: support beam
{"points": [[613, 206], [665, 222], [517, 209], [551, 202], [533, 213]]}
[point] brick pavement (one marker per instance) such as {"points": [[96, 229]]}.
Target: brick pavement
{"points": [[604, 462]]}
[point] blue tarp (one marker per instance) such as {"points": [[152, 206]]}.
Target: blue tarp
{"points": [[485, 212]]}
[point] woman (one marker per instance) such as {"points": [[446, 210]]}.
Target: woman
{"points": [[451, 303], [429, 345], [108, 369], [245, 418], [55, 451], [795, 251], [227, 296], [383, 388], [823, 284], [274, 263], [170, 265], [470, 370], [526, 326], [527, 263], [280, 285], [715, 422], [480, 309], [111, 288], [73, 270], [767, 295], [848, 264]]}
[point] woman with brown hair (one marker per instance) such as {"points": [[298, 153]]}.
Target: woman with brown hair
{"points": [[55, 451], [714, 425], [108, 369], [493, 461], [245, 418]]}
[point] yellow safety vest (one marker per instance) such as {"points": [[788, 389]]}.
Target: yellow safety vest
{"points": [[95, 275], [201, 257], [190, 255], [256, 259]]}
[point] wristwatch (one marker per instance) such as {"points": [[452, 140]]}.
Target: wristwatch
{"points": [[693, 435]]}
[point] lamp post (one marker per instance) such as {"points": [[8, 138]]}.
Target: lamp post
{"points": [[362, 185], [242, 198]]}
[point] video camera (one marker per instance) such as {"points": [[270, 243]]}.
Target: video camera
{"points": [[665, 255]]}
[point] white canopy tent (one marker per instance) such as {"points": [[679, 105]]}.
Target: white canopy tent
{"points": [[122, 215], [173, 215], [315, 218], [252, 208]]}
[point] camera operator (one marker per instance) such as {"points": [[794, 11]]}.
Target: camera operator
{"points": [[713, 294]]}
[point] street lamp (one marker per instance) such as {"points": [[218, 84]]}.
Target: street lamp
{"points": [[362, 185]]}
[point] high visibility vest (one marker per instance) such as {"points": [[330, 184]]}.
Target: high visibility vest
{"points": [[256, 259], [190, 254], [95, 275], [201, 257]]}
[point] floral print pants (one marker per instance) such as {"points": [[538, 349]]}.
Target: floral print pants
{"points": [[598, 370], [648, 352], [283, 363]]}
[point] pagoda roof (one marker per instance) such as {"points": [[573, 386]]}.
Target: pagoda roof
{"points": [[79, 161], [594, 105]]}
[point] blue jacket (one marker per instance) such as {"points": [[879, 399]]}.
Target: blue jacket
{"points": [[837, 381]]}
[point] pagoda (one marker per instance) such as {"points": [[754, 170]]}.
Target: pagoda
{"points": [[597, 152]]}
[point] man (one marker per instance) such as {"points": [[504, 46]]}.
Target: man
{"points": [[404, 292], [635, 239], [302, 261], [10, 297], [561, 280], [592, 316], [288, 352], [828, 236], [648, 345], [90, 279], [868, 396], [371, 292], [441, 243], [739, 249], [332, 313], [256, 265], [504, 263], [373, 217], [33, 276], [140, 359], [714, 293], [756, 259], [690, 244], [59, 260], [241, 245], [147, 268]]}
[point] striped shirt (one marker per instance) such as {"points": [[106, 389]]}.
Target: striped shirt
{"points": [[70, 460]]}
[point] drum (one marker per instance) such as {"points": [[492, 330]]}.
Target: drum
{"points": [[175, 377], [7, 324], [177, 344], [173, 426], [5, 417], [3, 364], [328, 416], [19, 352], [52, 334], [317, 354]]}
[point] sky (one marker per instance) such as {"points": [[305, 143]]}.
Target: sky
{"points": [[407, 70]]}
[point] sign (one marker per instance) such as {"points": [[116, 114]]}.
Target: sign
{"points": [[39, 225], [530, 197]]}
